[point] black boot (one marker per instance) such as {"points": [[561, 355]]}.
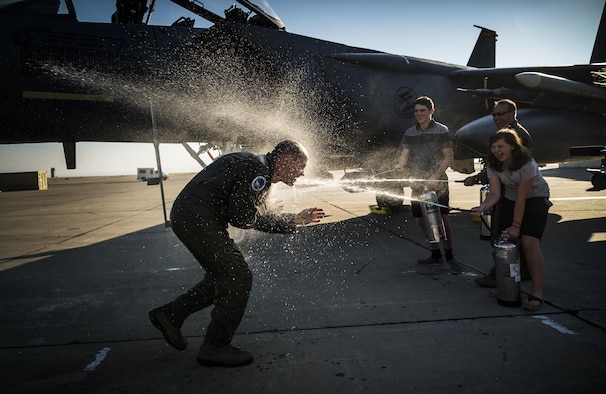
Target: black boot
{"points": [[171, 331]]}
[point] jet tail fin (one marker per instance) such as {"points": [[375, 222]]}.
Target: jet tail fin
{"points": [[69, 151], [484, 53], [598, 55]]}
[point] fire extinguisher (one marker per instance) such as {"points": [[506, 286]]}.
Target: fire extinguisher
{"points": [[434, 225], [507, 272]]}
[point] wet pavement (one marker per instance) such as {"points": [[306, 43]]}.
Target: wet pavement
{"points": [[339, 307]]}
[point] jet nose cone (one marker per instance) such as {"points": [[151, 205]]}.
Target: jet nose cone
{"points": [[473, 137]]}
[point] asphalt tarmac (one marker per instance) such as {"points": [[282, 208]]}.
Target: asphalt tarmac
{"points": [[339, 307]]}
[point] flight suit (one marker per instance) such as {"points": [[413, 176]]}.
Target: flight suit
{"points": [[232, 190]]}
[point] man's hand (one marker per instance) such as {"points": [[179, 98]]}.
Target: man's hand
{"points": [[309, 215], [470, 180], [476, 211]]}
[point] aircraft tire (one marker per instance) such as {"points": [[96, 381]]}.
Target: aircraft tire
{"points": [[599, 181]]}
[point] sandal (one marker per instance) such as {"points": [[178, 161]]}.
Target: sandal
{"points": [[537, 303]]}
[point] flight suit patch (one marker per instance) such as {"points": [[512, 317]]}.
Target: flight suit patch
{"points": [[258, 183]]}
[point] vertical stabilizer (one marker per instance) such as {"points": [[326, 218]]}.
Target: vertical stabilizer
{"points": [[598, 55], [69, 151], [484, 53]]}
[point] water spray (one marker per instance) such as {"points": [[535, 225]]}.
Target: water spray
{"points": [[359, 185], [382, 173], [352, 183]]}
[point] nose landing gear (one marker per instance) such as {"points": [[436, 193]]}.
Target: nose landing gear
{"points": [[598, 180]]}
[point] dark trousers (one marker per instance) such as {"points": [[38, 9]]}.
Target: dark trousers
{"points": [[227, 281]]}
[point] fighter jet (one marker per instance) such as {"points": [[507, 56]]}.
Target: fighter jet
{"points": [[247, 81]]}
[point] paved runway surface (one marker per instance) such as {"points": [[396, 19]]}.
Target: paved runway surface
{"points": [[339, 307]]}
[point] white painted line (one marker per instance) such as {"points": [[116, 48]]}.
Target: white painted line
{"points": [[577, 198], [548, 322], [100, 357]]}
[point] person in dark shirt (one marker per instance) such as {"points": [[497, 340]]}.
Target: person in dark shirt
{"points": [[504, 114], [231, 190], [426, 151]]}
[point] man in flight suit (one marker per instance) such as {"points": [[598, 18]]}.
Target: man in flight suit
{"points": [[231, 190]]}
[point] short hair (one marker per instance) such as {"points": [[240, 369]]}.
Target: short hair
{"points": [[425, 101], [289, 147], [511, 105]]}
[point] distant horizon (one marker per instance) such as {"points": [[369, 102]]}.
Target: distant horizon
{"points": [[91, 158]]}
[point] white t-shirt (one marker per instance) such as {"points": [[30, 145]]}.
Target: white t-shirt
{"points": [[510, 180]]}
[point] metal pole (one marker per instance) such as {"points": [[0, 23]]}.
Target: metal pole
{"points": [[158, 161], [150, 10]]}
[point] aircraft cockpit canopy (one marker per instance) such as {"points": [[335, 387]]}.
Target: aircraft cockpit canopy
{"points": [[134, 11], [264, 15], [129, 11], [256, 15]]}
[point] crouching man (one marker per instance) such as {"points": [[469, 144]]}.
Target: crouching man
{"points": [[231, 190]]}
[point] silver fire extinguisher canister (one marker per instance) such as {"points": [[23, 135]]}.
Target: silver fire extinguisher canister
{"points": [[507, 272], [434, 225], [485, 216]]}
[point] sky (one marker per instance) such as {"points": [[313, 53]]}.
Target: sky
{"points": [[530, 33]]}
